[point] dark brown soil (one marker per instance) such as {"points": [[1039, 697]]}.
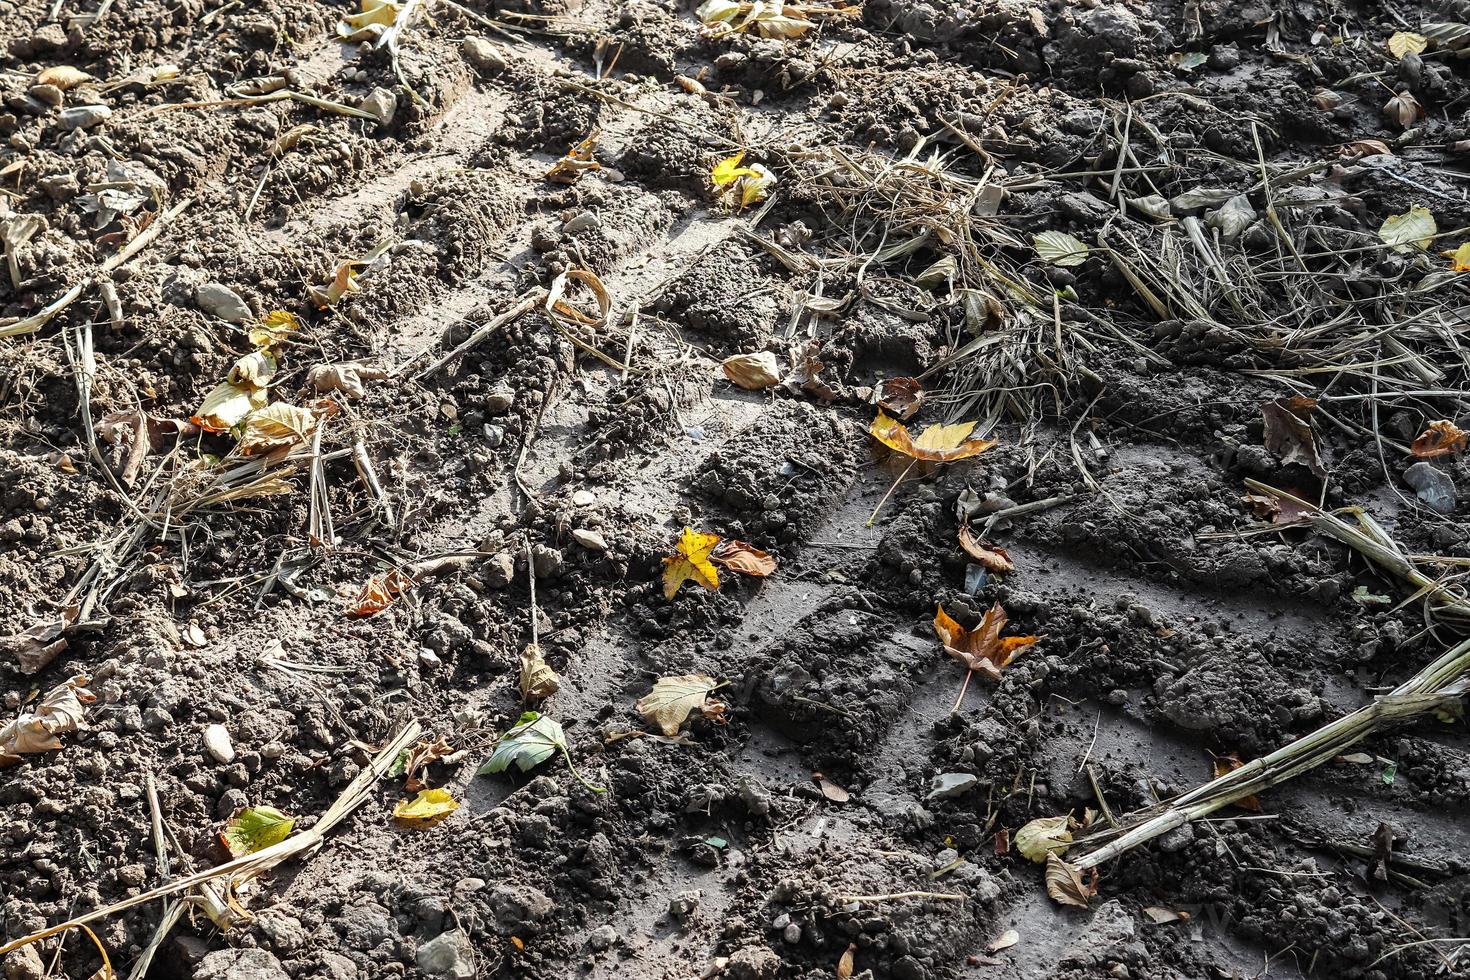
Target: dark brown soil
{"points": [[1174, 623]]}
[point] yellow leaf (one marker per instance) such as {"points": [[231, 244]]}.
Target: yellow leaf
{"points": [[1461, 258], [673, 699], [1043, 836], [691, 561], [254, 370], [426, 809], [1406, 42], [729, 170], [1415, 228], [226, 406], [343, 282], [275, 426], [274, 329], [938, 443]]}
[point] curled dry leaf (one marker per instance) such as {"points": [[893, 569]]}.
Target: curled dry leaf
{"points": [[344, 281], [276, 426], [274, 329], [226, 405], [830, 789], [1365, 148], [577, 161], [372, 19], [429, 807], [1289, 434], [1403, 109], [691, 561], [901, 396], [254, 828], [845, 962], [937, 443], [379, 592], [673, 699], [982, 649], [63, 77], [753, 372], [992, 559], [347, 377], [1225, 764], [1460, 258], [59, 712], [254, 370], [411, 763], [1044, 836], [743, 558], [1066, 885], [805, 368], [738, 186], [538, 680], [1005, 940], [557, 306], [1278, 510], [1440, 439], [1161, 916]]}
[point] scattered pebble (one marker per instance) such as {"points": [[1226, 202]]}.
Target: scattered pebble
{"points": [[382, 103], [223, 302], [590, 540], [951, 784], [217, 743], [448, 955], [84, 116], [1433, 486], [483, 55], [586, 221]]}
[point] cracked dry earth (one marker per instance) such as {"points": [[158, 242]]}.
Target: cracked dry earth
{"points": [[1173, 625]]}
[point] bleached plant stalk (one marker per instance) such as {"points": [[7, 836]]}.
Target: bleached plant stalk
{"points": [[242, 869], [1434, 687]]}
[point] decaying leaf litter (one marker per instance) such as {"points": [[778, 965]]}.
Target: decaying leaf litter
{"points": [[369, 413]]}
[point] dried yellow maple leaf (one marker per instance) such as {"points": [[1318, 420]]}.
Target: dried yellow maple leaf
{"points": [[691, 561], [937, 443]]}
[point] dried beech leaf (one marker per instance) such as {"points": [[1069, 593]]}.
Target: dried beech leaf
{"points": [[347, 377], [226, 406], [996, 560], [59, 712], [1066, 885], [379, 592], [1289, 434], [753, 372], [1224, 764], [275, 427], [743, 558], [901, 396]]}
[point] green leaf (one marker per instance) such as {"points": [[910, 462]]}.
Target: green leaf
{"points": [[1060, 248], [534, 739], [1390, 773], [255, 828]]}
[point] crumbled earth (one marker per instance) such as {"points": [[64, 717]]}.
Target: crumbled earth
{"points": [[842, 808]]}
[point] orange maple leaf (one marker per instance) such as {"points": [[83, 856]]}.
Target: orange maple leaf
{"points": [[982, 649]]}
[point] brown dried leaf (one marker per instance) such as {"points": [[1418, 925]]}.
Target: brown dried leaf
{"points": [[830, 789], [379, 592], [1161, 916], [672, 700], [346, 377], [1278, 510], [59, 712], [1403, 109], [62, 76], [845, 962], [1289, 433], [996, 560], [753, 372], [1224, 764], [901, 396], [1066, 885], [743, 558], [1364, 148], [982, 649], [538, 680], [1440, 439], [577, 161]]}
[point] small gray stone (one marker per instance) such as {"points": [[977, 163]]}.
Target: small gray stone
{"points": [[382, 103], [84, 116], [240, 964], [499, 570], [217, 744], [586, 221], [546, 561], [494, 435], [791, 935], [49, 94], [1433, 486], [500, 399], [684, 904], [25, 964], [448, 955], [601, 938], [951, 784], [223, 302], [590, 540], [483, 55]]}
